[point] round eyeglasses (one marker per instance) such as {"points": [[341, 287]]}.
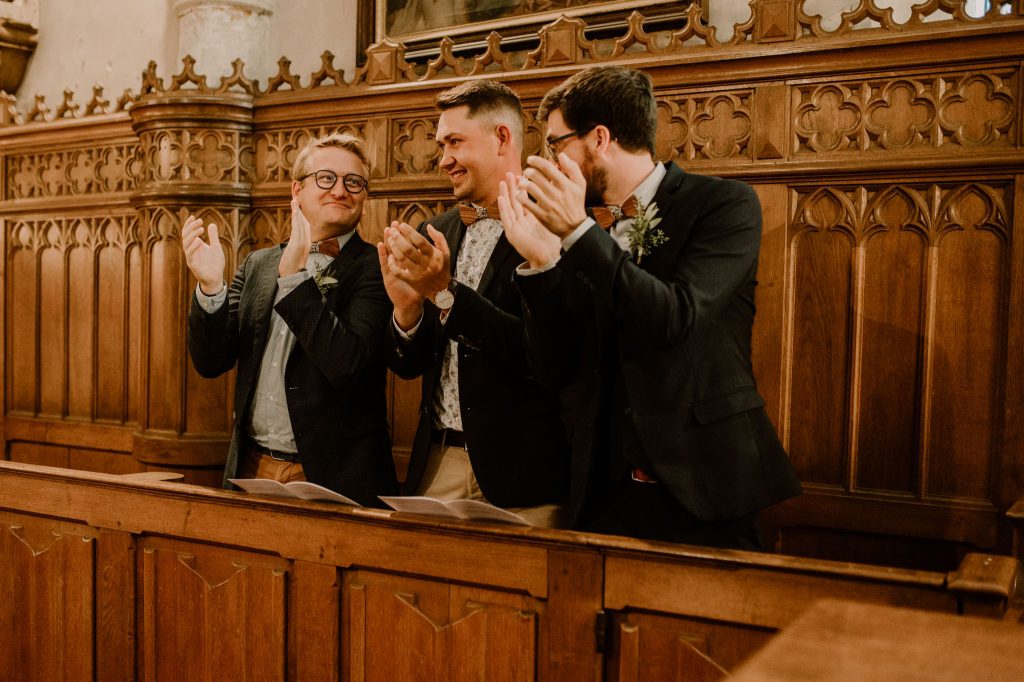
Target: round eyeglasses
{"points": [[327, 179]]}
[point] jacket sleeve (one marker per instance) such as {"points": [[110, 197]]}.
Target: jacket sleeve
{"points": [[212, 338], [480, 325], [719, 257], [553, 324]]}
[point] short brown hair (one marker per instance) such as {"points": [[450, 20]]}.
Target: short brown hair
{"points": [[342, 140], [486, 98], [618, 98]]}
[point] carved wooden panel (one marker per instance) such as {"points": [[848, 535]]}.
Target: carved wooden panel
{"points": [[650, 647], [73, 341], [46, 597], [897, 330], [962, 109], [91, 170], [198, 156], [399, 628], [715, 125], [415, 152], [208, 609]]}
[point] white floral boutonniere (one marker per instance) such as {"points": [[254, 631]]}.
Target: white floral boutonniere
{"points": [[324, 281], [644, 236]]}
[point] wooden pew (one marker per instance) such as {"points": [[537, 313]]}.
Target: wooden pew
{"points": [[116, 579], [841, 641]]}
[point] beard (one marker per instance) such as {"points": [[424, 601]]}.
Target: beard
{"points": [[597, 180]]}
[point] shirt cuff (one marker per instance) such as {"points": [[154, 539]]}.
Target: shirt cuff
{"points": [[287, 284], [212, 304], [406, 335], [574, 236], [524, 269]]}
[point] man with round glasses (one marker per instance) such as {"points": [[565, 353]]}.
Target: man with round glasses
{"points": [[303, 321]]}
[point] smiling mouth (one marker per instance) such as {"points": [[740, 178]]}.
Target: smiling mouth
{"points": [[456, 174]]}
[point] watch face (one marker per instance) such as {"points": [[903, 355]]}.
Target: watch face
{"points": [[444, 299]]}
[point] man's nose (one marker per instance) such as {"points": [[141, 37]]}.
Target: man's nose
{"points": [[446, 159]]}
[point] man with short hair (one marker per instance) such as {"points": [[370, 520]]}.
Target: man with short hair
{"points": [[646, 311], [304, 323], [487, 430]]}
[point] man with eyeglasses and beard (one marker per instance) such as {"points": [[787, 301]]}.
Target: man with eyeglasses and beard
{"points": [[304, 323]]}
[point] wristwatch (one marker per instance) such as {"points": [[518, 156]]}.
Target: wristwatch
{"points": [[445, 298]]}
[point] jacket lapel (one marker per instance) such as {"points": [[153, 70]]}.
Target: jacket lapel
{"points": [[663, 199], [502, 251], [265, 291]]}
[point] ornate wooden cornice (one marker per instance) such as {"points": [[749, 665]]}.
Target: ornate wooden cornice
{"points": [[562, 43]]}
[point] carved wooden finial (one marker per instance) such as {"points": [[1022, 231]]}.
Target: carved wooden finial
{"points": [[237, 79], [327, 71], [9, 114], [284, 76], [188, 76], [98, 104], [39, 112], [68, 108]]}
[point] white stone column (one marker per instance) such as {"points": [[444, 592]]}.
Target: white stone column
{"points": [[217, 32]]}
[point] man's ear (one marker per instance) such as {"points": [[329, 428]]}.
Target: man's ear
{"points": [[296, 186], [602, 140], [505, 139]]}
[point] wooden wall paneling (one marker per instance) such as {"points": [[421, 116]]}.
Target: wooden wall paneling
{"points": [[314, 618], [112, 330], [651, 647], [1010, 473], [420, 629], [53, 321], [46, 597], [22, 322], [208, 609], [820, 289], [37, 453], [115, 591], [81, 320], [972, 244], [769, 354], [571, 643]]}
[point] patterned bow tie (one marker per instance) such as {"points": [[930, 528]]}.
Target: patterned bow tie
{"points": [[328, 247], [606, 216], [470, 213]]}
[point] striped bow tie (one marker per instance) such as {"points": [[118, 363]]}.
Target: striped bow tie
{"points": [[606, 216], [328, 247], [471, 213]]}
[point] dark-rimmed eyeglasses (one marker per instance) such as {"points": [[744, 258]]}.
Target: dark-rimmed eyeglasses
{"points": [[551, 143], [327, 179]]}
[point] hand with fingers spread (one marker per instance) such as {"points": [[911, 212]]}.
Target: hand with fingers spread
{"points": [[533, 241], [407, 301], [204, 259], [296, 252], [413, 259], [555, 195]]}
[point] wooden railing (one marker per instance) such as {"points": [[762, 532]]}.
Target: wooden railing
{"points": [[108, 578]]}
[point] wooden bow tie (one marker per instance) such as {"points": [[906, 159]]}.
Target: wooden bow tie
{"points": [[470, 213], [328, 247], [606, 216]]}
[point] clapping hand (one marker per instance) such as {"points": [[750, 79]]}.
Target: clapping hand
{"points": [[296, 253], [539, 246], [204, 259], [554, 195]]}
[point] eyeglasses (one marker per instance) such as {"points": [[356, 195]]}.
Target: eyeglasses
{"points": [[551, 143], [327, 179]]}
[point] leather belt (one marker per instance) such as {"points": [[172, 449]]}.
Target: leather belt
{"points": [[641, 476], [449, 438], [274, 454]]}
